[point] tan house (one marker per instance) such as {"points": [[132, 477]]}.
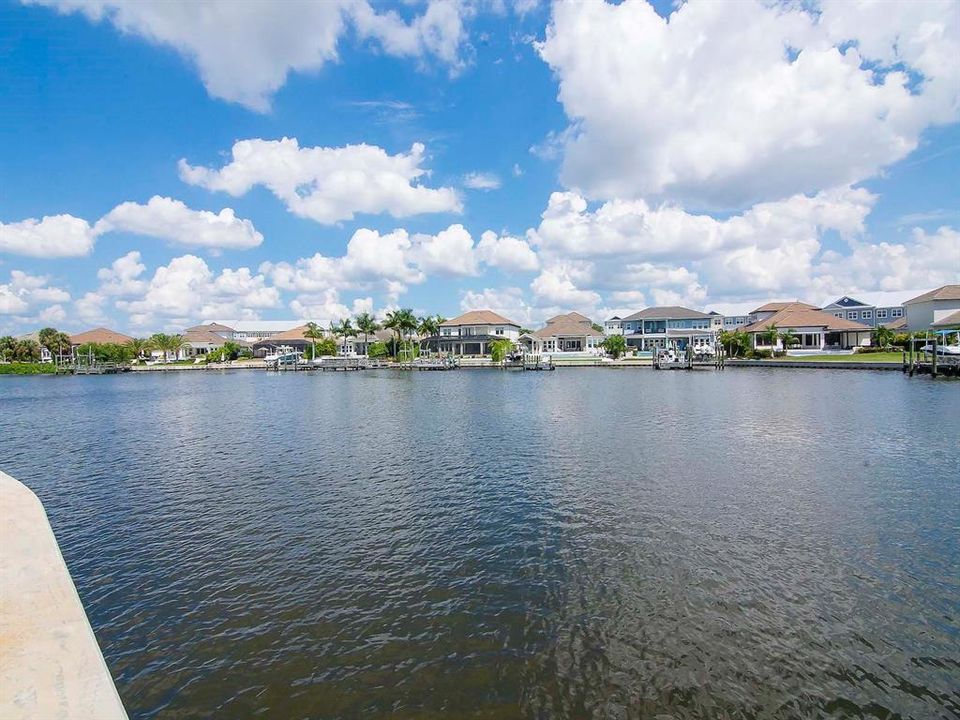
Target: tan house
{"points": [[100, 336], [816, 330], [931, 307], [204, 339], [572, 332]]}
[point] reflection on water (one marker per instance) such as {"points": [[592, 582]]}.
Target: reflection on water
{"points": [[583, 543]]}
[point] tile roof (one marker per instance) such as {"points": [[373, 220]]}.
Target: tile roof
{"points": [[212, 327], [101, 336], [200, 336], [567, 328], [666, 312], [778, 306], [571, 317], [798, 315], [296, 333], [898, 324], [479, 317], [947, 292], [950, 320]]}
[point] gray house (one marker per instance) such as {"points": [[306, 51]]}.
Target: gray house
{"points": [[848, 308]]}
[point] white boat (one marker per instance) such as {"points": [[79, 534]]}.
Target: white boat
{"points": [[285, 355], [942, 349], [669, 360]]}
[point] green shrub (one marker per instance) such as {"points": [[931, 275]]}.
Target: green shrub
{"points": [[377, 349], [27, 368], [872, 349]]}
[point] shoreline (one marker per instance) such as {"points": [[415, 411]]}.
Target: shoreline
{"points": [[474, 364]]}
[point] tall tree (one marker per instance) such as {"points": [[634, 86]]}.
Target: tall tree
{"points": [[313, 333], [788, 337], [139, 347], [7, 347], [615, 345], [883, 336], [367, 325], [770, 335], [428, 328]]}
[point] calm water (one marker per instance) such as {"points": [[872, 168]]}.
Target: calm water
{"points": [[583, 543]]}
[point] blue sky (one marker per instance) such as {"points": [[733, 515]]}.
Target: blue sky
{"points": [[781, 158]]}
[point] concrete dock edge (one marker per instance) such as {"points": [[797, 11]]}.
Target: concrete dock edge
{"points": [[51, 666]]}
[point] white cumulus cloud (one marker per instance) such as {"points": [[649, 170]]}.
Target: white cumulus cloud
{"points": [[171, 220], [328, 184], [244, 51], [186, 289], [725, 105], [50, 237]]}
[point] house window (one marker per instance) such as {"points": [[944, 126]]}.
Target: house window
{"points": [[499, 331], [896, 312], [852, 315], [839, 314], [867, 314], [881, 314]]}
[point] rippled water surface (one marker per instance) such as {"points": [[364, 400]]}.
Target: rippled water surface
{"points": [[586, 543]]}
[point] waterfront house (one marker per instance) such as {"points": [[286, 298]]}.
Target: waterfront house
{"points": [[613, 326], [735, 322], [931, 307], [255, 330], [203, 339], [670, 326], [472, 332], [864, 312], [815, 330], [293, 338], [100, 336], [360, 346], [572, 332]]}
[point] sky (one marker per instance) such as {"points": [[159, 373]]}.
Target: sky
{"points": [[165, 162]]}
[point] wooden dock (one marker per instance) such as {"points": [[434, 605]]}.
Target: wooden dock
{"points": [[430, 364], [933, 363]]}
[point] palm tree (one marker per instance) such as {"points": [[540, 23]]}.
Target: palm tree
{"points": [[161, 342], [616, 345], [367, 325], [176, 344], [313, 333], [883, 336], [427, 328], [408, 324], [770, 335], [347, 330], [7, 346], [392, 322], [789, 337], [139, 346]]}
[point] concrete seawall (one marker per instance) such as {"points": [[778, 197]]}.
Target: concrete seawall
{"points": [[816, 365], [51, 667]]}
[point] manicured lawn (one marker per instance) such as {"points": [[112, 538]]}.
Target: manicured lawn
{"points": [[890, 357]]}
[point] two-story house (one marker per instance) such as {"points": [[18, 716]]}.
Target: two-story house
{"points": [[472, 332], [670, 326], [932, 307], [864, 313]]}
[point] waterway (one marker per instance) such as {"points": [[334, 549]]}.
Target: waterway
{"points": [[586, 543]]}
